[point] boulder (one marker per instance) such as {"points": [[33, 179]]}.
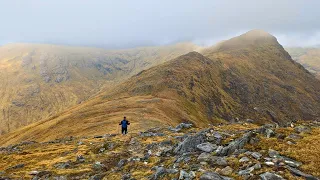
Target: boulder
{"points": [[180, 127], [236, 144], [98, 166], [250, 120], [281, 136], [256, 155], [150, 134], [42, 175], [273, 154], [184, 126], [183, 158], [289, 161], [190, 143], [270, 176], [270, 133], [244, 159], [207, 147], [214, 137], [257, 166], [205, 157], [164, 150], [226, 171], [302, 129], [213, 176], [301, 174], [126, 176], [294, 136], [161, 171], [186, 176], [269, 163], [121, 163], [246, 171], [219, 150], [220, 161], [266, 130]]}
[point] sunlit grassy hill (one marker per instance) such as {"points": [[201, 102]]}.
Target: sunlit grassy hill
{"points": [[38, 81], [246, 77]]}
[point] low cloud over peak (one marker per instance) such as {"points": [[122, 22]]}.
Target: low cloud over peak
{"points": [[121, 24]]}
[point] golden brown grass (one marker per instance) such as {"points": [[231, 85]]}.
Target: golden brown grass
{"points": [[202, 90], [307, 150], [87, 77], [44, 156]]}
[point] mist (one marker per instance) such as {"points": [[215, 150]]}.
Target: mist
{"points": [[125, 24]]}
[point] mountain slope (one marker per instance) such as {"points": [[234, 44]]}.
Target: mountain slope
{"points": [[308, 57], [261, 75], [38, 81], [144, 108], [250, 76]]}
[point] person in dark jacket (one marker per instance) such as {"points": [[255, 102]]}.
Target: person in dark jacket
{"points": [[124, 124]]}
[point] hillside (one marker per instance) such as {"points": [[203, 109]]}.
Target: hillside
{"points": [[308, 57], [247, 77], [261, 76], [38, 81]]}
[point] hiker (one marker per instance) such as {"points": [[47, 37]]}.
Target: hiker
{"points": [[124, 124]]}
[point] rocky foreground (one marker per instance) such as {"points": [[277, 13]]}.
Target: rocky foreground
{"points": [[225, 152]]}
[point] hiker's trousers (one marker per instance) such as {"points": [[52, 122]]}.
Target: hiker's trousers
{"points": [[124, 130]]}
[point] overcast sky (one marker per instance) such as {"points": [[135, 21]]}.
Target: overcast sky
{"points": [[121, 24]]}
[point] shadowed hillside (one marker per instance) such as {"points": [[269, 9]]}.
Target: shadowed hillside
{"points": [[308, 57], [246, 77], [261, 76], [38, 81]]}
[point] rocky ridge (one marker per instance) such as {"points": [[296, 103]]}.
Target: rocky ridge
{"points": [[227, 151]]}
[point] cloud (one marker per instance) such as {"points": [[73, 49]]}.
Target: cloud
{"points": [[300, 39], [126, 23]]}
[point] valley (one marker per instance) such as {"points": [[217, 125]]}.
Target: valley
{"points": [[247, 77], [38, 81], [159, 90], [240, 109]]}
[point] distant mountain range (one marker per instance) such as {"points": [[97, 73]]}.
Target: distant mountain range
{"points": [[247, 77], [38, 81], [308, 57]]}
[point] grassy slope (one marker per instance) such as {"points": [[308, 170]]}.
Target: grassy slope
{"points": [[26, 97], [244, 81], [261, 75], [145, 108]]}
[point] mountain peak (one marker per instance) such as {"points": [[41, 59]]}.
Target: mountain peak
{"points": [[255, 37], [251, 38], [257, 33]]}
